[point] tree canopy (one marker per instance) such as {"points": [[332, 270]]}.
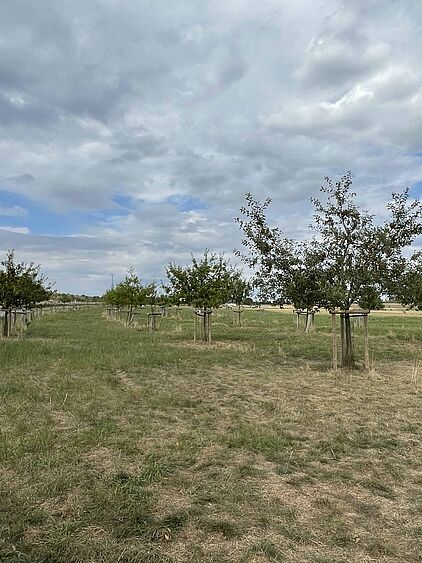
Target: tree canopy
{"points": [[130, 292], [240, 288], [360, 255], [408, 288], [349, 259], [206, 283], [21, 285]]}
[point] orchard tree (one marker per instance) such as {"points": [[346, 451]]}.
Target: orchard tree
{"points": [[285, 270], [268, 253], [21, 286], [240, 290], [351, 258], [128, 293], [360, 256], [205, 284], [151, 295]]}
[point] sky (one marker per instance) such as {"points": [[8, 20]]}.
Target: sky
{"points": [[131, 130]]}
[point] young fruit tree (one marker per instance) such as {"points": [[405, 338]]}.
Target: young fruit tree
{"points": [[205, 284], [240, 290], [21, 286], [351, 259], [285, 270], [129, 293], [360, 254]]}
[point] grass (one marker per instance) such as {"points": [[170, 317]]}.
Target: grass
{"points": [[120, 445]]}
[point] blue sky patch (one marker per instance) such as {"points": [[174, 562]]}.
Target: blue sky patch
{"points": [[186, 202], [125, 201], [416, 189], [39, 220]]}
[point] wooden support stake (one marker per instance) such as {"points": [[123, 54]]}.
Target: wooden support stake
{"points": [[343, 340], [209, 326], [334, 335], [366, 341]]}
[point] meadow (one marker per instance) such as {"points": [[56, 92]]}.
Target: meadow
{"points": [[123, 445]]}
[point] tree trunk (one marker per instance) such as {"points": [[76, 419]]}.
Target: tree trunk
{"points": [[5, 324], [205, 326], [236, 317], [209, 313], [346, 341], [309, 323]]}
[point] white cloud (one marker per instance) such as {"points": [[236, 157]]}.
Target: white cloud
{"points": [[18, 230], [13, 211]]}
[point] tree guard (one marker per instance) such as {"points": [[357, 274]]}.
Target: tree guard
{"points": [[152, 320], [237, 321], [309, 318], [347, 358], [205, 325]]}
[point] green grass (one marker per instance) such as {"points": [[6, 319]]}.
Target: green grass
{"points": [[124, 445]]}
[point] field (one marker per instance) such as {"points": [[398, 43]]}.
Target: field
{"points": [[121, 445]]}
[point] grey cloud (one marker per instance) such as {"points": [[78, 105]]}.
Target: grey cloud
{"points": [[22, 113], [21, 179], [202, 100], [342, 53], [137, 147]]}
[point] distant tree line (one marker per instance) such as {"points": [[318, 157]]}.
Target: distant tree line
{"points": [[74, 297]]}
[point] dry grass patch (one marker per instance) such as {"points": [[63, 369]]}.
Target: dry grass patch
{"points": [[198, 346]]}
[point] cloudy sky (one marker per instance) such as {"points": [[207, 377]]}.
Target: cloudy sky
{"points": [[131, 129]]}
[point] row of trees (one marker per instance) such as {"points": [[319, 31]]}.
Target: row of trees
{"points": [[350, 259], [205, 284]]}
